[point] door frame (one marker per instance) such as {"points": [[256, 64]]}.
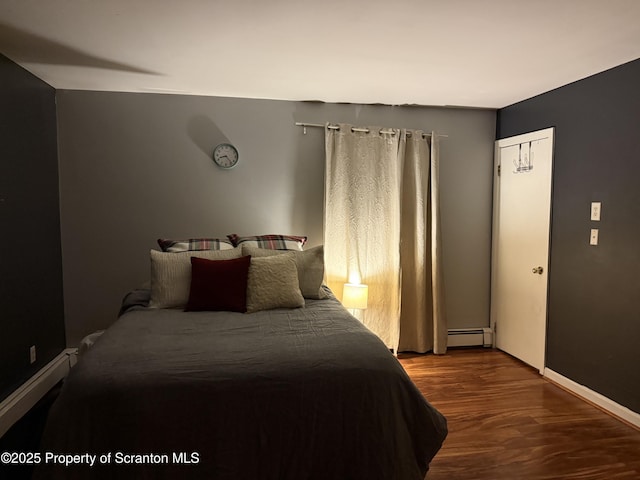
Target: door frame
{"points": [[495, 229]]}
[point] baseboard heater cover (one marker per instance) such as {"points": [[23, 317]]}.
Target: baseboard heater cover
{"points": [[27, 395], [470, 337]]}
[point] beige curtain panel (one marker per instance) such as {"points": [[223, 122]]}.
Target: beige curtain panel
{"points": [[382, 229]]}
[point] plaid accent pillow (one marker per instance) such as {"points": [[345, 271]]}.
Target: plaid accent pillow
{"points": [[272, 242], [193, 244]]}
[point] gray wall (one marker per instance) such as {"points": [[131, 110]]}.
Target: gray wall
{"points": [[135, 167], [30, 259], [594, 306]]}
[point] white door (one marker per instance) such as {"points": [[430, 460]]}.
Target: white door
{"points": [[521, 222]]}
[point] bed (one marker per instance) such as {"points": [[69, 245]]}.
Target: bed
{"points": [[279, 393]]}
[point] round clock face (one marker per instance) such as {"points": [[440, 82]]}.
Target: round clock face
{"points": [[225, 155]]}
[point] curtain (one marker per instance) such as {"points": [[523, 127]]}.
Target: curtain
{"points": [[382, 229], [423, 321]]}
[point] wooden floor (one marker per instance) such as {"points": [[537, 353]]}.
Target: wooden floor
{"points": [[506, 422]]}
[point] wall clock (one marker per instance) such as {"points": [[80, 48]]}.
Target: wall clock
{"points": [[225, 155]]}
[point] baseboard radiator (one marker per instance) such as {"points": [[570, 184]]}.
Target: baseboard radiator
{"points": [[470, 337], [27, 395]]}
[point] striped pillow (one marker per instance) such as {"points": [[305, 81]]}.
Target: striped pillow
{"points": [[194, 244], [272, 242]]}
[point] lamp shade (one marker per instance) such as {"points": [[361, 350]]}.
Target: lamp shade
{"points": [[355, 296]]}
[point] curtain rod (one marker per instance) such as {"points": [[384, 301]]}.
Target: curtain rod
{"points": [[353, 129]]}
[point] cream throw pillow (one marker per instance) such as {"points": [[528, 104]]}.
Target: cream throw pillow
{"points": [[171, 275], [273, 283], [310, 265]]}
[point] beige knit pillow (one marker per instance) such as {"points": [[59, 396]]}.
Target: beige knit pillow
{"points": [[273, 283], [171, 275], [310, 265]]}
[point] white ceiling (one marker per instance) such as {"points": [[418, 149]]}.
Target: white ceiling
{"points": [[475, 53]]}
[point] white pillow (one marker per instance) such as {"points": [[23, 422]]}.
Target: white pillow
{"points": [[171, 275], [273, 283], [310, 265]]}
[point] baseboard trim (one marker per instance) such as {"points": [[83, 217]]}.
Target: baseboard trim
{"points": [[615, 409], [27, 395]]}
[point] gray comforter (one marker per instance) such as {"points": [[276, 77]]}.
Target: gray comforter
{"points": [[297, 394]]}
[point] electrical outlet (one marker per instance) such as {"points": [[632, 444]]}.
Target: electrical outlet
{"points": [[32, 354], [593, 240], [595, 211]]}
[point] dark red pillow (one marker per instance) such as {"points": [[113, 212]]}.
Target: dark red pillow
{"points": [[219, 284]]}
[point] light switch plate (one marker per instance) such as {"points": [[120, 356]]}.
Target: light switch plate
{"points": [[595, 211], [593, 240]]}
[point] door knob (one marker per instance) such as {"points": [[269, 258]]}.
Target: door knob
{"points": [[538, 270]]}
